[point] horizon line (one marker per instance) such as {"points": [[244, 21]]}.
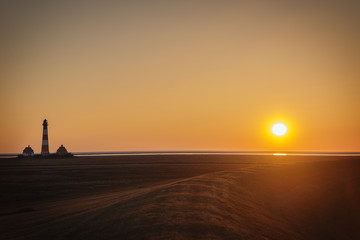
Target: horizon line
{"points": [[194, 152]]}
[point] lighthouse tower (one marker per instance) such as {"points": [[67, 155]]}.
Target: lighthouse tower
{"points": [[45, 143]]}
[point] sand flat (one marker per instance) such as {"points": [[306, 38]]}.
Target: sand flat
{"points": [[181, 197]]}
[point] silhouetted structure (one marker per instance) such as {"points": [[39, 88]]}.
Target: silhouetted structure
{"points": [[28, 152], [61, 151], [45, 142]]}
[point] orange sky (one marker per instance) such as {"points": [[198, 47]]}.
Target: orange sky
{"points": [[180, 75]]}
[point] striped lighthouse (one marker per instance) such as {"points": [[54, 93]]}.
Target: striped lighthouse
{"points": [[45, 142]]}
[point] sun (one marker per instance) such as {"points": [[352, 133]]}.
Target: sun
{"points": [[279, 129]]}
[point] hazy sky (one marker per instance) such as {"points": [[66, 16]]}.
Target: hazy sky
{"points": [[180, 75]]}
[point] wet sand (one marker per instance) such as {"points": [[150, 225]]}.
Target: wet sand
{"points": [[181, 197]]}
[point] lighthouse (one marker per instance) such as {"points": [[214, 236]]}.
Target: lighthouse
{"points": [[45, 142]]}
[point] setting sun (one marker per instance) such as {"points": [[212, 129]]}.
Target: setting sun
{"points": [[279, 129]]}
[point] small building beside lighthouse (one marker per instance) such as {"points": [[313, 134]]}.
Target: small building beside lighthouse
{"points": [[61, 151], [28, 152]]}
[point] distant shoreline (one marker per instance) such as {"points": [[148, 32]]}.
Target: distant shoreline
{"points": [[112, 153]]}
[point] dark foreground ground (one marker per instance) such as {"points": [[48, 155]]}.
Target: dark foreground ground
{"points": [[181, 197]]}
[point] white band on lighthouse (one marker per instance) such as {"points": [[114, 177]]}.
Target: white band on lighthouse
{"points": [[45, 142], [45, 131]]}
